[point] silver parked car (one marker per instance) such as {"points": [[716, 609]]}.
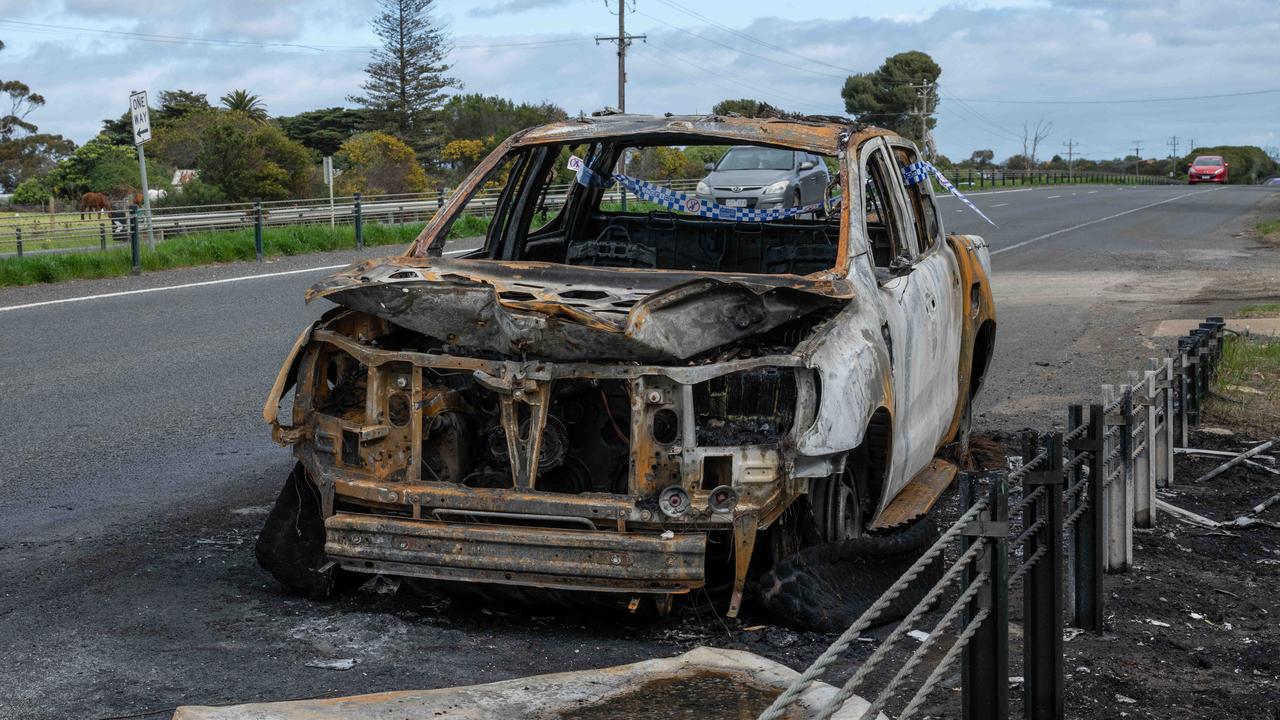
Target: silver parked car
{"points": [[750, 176]]}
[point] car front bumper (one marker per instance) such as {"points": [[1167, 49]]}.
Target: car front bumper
{"points": [[567, 559]]}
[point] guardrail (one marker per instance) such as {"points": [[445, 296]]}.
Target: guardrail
{"points": [[1061, 520], [981, 179], [76, 232]]}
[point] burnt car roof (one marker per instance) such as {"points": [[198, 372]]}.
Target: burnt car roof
{"points": [[821, 134]]}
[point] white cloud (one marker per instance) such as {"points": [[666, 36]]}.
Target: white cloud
{"points": [[1058, 50]]}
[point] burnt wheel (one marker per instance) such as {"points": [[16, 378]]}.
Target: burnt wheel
{"points": [[840, 503], [291, 544]]}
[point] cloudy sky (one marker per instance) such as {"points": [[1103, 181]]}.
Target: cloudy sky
{"points": [[1106, 73]]}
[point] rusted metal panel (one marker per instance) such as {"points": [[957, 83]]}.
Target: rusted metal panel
{"points": [[919, 496], [541, 557]]}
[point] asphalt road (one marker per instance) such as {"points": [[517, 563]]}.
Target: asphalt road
{"points": [[138, 466]]}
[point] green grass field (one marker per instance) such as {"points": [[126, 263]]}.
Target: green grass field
{"points": [[197, 249], [1247, 384], [45, 232]]}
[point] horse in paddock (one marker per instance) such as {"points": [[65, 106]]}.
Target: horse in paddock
{"points": [[94, 202], [137, 199]]}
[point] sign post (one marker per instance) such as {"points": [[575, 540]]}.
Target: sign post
{"points": [[328, 180], [141, 115]]}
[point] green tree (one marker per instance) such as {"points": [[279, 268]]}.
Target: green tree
{"points": [[250, 160], [31, 157], [174, 106], [324, 130], [409, 73], [749, 108], [100, 166], [489, 118], [377, 163], [21, 103], [703, 154], [31, 192], [889, 96], [243, 101], [982, 158]]}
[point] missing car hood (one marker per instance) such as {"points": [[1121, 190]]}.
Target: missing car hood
{"points": [[573, 313]]}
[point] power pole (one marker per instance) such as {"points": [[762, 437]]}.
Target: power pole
{"points": [[1173, 155], [1070, 145], [924, 93], [1137, 157], [623, 40]]}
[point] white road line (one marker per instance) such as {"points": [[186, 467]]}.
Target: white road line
{"points": [[1055, 233], [162, 288], [1091, 192], [998, 205], [183, 286], [981, 193], [1053, 197]]}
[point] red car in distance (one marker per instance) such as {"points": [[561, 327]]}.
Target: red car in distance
{"points": [[1207, 168]]}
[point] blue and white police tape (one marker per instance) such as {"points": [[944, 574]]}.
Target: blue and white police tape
{"points": [[919, 172], [685, 202]]}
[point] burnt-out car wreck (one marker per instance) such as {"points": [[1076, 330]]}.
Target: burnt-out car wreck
{"points": [[640, 402]]}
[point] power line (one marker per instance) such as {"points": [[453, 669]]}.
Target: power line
{"points": [[738, 50], [49, 29], [778, 97], [752, 38], [1123, 101]]}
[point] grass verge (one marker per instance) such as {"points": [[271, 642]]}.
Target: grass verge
{"points": [[199, 249], [1247, 387], [1265, 310]]}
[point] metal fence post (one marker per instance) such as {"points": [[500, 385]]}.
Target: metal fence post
{"points": [[1142, 395], [1119, 521], [985, 670], [1163, 465], [359, 219], [135, 248], [1088, 532], [102, 236], [1192, 369], [17, 232], [1180, 393], [1042, 594], [257, 229]]}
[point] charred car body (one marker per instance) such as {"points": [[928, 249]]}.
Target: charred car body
{"points": [[635, 402]]}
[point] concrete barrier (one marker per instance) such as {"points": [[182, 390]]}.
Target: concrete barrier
{"points": [[623, 689]]}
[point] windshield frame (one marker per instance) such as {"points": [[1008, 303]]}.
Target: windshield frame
{"points": [[1208, 161], [500, 247]]}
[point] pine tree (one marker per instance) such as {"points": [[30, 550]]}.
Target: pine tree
{"points": [[408, 74]]}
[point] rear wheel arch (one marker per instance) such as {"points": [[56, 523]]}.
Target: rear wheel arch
{"points": [[984, 345]]}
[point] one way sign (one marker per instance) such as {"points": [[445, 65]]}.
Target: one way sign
{"points": [[141, 117]]}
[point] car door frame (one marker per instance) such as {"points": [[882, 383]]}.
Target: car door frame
{"points": [[936, 273]]}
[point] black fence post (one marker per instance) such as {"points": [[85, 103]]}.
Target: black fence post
{"points": [[102, 236], [1215, 327], [1042, 594], [1087, 534], [985, 670], [135, 248], [1191, 384], [359, 218], [257, 229], [17, 233]]}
